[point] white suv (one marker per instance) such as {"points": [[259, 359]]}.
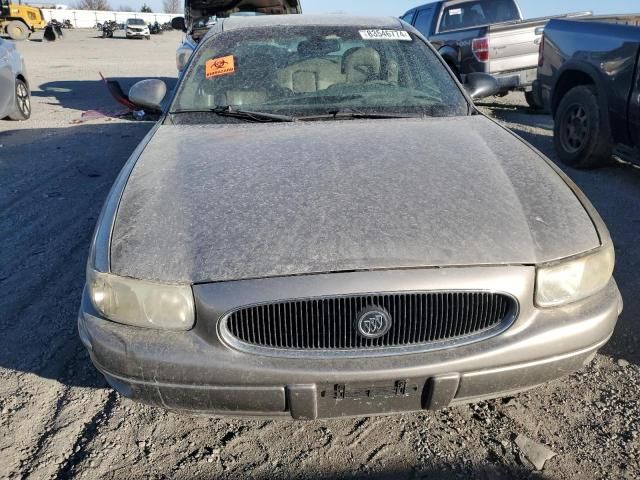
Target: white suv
{"points": [[137, 28]]}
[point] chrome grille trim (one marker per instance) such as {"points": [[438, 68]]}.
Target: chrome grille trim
{"points": [[467, 320]]}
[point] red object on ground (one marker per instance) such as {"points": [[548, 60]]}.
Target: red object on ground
{"points": [[116, 92]]}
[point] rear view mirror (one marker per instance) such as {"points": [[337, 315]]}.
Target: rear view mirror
{"points": [[177, 23], [319, 46], [481, 85], [148, 94]]}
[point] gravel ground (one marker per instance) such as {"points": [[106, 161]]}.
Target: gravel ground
{"points": [[59, 420]]}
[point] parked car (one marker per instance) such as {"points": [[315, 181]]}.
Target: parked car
{"points": [[487, 36], [589, 78], [323, 224], [137, 28], [15, 96], [201, 15]]}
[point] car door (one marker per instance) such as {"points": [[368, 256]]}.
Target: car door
{"points": [[7, 86]]}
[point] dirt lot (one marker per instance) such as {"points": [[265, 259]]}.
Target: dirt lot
{"points": [[59, 420]]}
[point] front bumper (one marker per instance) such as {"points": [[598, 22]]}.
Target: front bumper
{"points": [[196, 372]]}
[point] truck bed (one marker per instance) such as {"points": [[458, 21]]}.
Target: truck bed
{"points": [[514, 45], [631, 20]]}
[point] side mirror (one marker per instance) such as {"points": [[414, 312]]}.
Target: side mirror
{"points": [[148, 94], [481, 85], [177, 23]]}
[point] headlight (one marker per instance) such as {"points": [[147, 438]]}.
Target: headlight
{"points": [[140, 303], [574, 280]]}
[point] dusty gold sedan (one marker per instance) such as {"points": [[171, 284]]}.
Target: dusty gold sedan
{"points": [[322, 224]]}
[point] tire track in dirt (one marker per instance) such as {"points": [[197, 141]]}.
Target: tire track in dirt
{"points": [[85, 436], [49, 431]]}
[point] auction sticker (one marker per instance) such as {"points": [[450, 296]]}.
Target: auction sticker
{"points": [[217, 67], [401, 35]]}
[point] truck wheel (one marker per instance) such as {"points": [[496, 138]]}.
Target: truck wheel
{"points": [[581, 132], [17, 30], [23, 102]]}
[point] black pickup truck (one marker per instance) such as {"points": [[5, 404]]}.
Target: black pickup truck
{"points": [[488, 36], [589, 78]]}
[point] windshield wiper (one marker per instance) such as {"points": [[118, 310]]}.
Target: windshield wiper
{"points": [[229, 111], [348, 113]]}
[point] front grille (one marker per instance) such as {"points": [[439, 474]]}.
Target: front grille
{"points": [[332, 323]]}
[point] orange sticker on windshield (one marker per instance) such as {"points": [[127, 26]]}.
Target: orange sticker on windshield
{"points": [[217, 67]]}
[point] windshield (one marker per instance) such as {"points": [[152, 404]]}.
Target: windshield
{"points": [[135, 21], [212, 20], [478, 12], [305, 71]]}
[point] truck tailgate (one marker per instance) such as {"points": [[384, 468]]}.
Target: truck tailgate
{"points": [[514, 46]]}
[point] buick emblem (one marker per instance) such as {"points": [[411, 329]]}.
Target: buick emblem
{"points": [[374, 322]]}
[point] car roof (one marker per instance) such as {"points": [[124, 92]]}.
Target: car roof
{"points": [[239, 23]]}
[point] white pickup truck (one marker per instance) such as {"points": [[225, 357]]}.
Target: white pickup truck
{"points": [[487, 36]]}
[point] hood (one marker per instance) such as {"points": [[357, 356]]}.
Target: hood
{"points": [[195, 9], [229, 202]]}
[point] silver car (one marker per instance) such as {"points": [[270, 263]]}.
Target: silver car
{"points": [[15, 97], [322, 224]]}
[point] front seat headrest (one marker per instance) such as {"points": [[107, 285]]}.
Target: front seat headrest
{"points": [[361, 64]]}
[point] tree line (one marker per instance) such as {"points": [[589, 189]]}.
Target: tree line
{"points": [[168, 6]]}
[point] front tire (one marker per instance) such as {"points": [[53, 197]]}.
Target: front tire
{"points": [[581, 132], [23, 102], [17, 30]]}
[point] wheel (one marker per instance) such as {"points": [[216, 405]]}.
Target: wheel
{"points": [[23, 102], [581, 132], [532, 100], [148, 38], [17, 30]]}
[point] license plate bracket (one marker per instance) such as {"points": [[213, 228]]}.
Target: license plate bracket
{"points": [[351, 399]]}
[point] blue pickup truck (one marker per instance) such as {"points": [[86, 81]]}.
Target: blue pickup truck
{"points": [[589, 79]]}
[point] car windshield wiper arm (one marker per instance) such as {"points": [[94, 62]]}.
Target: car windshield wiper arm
{"points": [[338, 114], [229, 111]]}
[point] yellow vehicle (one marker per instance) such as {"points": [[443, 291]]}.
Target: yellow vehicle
{"points": [[19, 21]]}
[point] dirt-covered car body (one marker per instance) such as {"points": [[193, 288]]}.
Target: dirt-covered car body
{"points": [[354, 263], [14, 87]]}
